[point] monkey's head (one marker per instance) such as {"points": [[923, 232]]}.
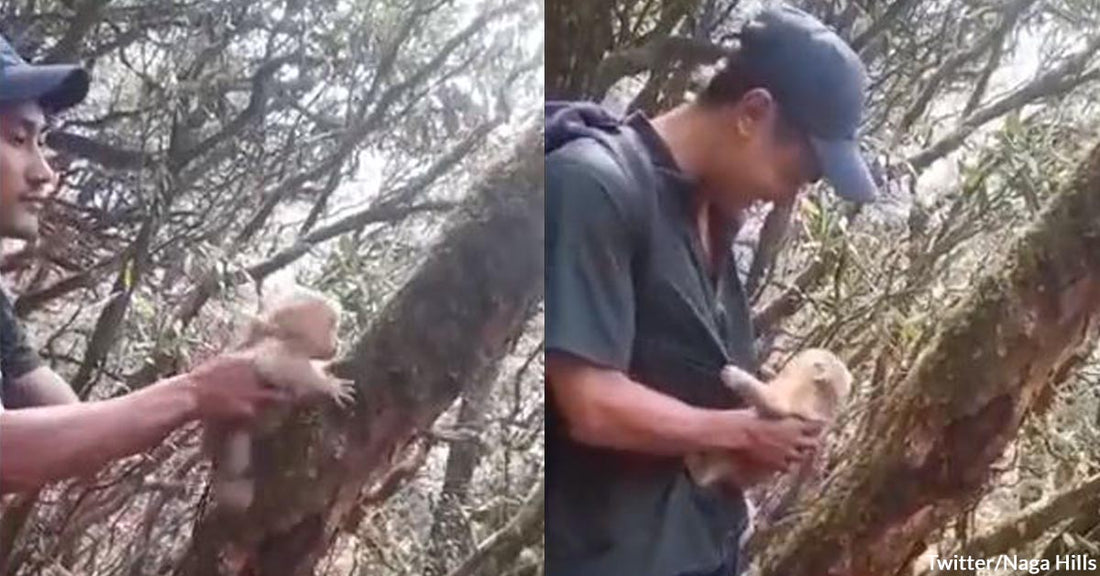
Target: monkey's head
{"points": [[308, 320], [832, 382]]}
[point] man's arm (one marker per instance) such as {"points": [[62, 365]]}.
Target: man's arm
{"points": [[605, 408], [39, 445], [590, 311], [39, 387]]}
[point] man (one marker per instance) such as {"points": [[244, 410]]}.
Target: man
{"points": [[644, 304], [46, 434]]}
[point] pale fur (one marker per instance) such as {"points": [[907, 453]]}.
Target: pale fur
{"points": [[813, 385], [290, 344]]}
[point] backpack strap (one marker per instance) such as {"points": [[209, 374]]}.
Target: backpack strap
{"points": [[567, 121]]}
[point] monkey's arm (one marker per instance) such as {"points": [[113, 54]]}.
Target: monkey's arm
{"points": [[41, 445], [284, 368]]}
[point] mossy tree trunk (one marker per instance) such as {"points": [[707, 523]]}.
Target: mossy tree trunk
{"points": [[459, 314], [961, 404]]}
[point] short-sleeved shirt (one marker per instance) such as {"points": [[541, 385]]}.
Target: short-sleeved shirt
{"points": [[17, 357], [639, 301]]}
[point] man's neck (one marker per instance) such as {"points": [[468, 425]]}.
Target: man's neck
{"points": [[680, 129], [689, 132]]}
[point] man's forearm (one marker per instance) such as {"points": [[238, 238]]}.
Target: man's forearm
{"points": [[633, 417], [41, 445], [607, 409]]}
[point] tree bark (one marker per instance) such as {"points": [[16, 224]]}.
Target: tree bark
{"points": [[449, 539], [455, 318], [571, 65], [962, 402]]}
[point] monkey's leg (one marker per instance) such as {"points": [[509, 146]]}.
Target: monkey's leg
{"points": [[723, 468], [755, 392], [234, 486], [707, 468]]}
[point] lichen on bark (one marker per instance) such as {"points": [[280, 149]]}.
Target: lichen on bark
{"points": [[951, 417]]}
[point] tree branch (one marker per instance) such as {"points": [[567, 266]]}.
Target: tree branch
{"points": [[933, 84], [862, 40], [87, 278], [1031, 523], [503, 545], [256, 102], [87, 15], [687, 51], [990, 67], [1058, 81], [105, 155]]}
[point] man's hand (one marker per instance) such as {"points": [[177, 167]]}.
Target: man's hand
{"points": [[228, 389], [775, 445], [50, 443]]}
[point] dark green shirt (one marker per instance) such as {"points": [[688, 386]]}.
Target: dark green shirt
{"points": [[17, 357], [633, 295]]}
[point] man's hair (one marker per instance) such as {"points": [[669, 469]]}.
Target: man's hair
{"points": [[732, 81]]}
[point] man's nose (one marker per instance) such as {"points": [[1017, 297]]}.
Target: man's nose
{"points": [[40, 175]]}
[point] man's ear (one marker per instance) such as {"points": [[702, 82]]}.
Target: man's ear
{"points": [[753, 109]]}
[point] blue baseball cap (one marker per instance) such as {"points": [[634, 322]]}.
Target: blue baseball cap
{"points": [[54, 86], [819, 83]]}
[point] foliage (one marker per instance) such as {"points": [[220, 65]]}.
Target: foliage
{"points": [[978, 110], [230, 146]]}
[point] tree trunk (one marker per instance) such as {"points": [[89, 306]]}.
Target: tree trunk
{"points": [[450, 537], [961, 404], [456, 317], [585, 35]]}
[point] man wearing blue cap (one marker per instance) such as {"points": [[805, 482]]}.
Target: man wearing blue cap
{"points": [[644, 305], [49, 435]]}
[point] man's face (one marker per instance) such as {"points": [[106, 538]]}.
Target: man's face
{"points": [[25, 176], [762, 156]]}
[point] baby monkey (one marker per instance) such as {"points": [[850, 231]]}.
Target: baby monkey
{"points": [[811, 386], [289, 344]]}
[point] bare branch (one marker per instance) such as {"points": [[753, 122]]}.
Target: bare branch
{"points": [[105, 155], [880, 25], [960, 58], [1057, 81], [524, 528], [1031, 523], [88, 14], [660, 51]]}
